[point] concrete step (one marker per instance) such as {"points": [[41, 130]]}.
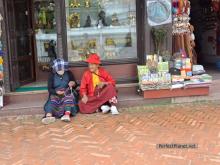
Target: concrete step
{"points": [[24, 97], [32, 96], [30, 103], [36, 107]]}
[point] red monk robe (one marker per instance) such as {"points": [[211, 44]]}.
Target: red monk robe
{"points": [[97, 97], [87, 86]]}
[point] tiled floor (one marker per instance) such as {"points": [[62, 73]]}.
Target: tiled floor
{"points": [[127, 139]]}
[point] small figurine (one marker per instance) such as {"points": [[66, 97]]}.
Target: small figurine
{"points": [[101, 19], [110, 42], [88, 22], [74, 20], [87, 3], [115, 21], [42, 17], [128, 40], [132, 18], [74, 3], [52, 50], [91, 44]]}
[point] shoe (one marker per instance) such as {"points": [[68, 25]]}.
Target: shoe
{"points": [[48, 120], [105, 109], [114, 110], [65, 118]]}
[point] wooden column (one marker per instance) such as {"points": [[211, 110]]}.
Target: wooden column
{"points": [[60, 14], [141, 40]]}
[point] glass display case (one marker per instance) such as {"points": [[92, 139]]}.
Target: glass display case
{"points": [[45, 32], [106, 27]]}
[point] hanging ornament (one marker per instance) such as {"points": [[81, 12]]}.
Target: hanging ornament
{"points": [[1, 18]]}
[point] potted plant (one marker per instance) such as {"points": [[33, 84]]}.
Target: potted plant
{"points": [[158, 35]]}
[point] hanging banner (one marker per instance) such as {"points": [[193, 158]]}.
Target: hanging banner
{"points": [[159, 12]]}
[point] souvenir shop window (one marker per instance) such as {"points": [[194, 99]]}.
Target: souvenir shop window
{"points": [[45, 32], [106, 27]]}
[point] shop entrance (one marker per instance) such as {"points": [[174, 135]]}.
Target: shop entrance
{"points": [[205, 18], [31, 42], [21, 42]]}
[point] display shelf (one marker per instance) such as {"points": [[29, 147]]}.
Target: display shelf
{"points": [[46, 36], [105, 30], [84, 9]]}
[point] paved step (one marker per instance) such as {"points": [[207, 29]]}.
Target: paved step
{"points": [[30, 103], [24, 97], [31, 96]]}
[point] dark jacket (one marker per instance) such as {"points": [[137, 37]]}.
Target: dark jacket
{"points": [[50, 84]]}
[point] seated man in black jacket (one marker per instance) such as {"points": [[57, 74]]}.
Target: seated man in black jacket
{"points": [[61, 100]]}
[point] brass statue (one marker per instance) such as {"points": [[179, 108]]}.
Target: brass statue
{"points": [[74, 3], [110, 42], [74, 20], [87, 3], [115, 21]]}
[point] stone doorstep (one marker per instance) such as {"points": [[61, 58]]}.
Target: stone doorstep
{"points": [[25, 105]]}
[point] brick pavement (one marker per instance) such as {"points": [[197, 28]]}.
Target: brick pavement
{"points": [[129, 138]]}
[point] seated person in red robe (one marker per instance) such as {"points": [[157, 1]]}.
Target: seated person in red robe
{"points": [[97, 89]]}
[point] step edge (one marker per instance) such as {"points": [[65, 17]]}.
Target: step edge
{"points": [[46, 91], [27, 93]]}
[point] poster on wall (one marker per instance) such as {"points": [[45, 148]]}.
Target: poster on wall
{"points": [[159, 12]]}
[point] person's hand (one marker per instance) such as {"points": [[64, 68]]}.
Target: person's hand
{"points": [[102, 84], [60, 92], [85, 99], [72, 84]]}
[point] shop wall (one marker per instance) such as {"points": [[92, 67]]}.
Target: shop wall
{"points": [[122, 73]]}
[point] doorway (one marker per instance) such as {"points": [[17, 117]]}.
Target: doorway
{"points": [[31, 42], [21, 42], [206, 21]]}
